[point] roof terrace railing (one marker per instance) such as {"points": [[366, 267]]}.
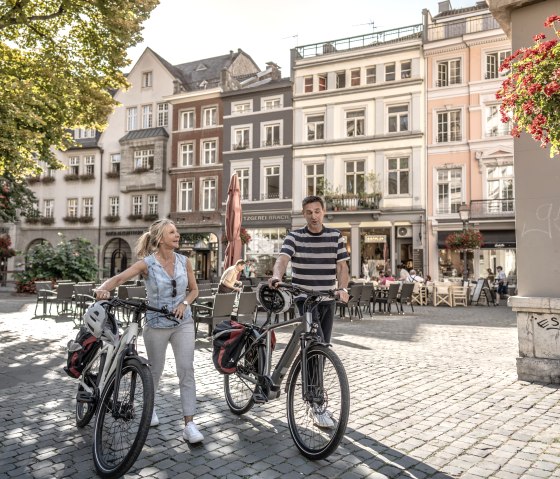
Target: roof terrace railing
{"points": [[444, 29], [360, 41]]}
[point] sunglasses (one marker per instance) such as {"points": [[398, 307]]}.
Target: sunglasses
{"points": [[174, 284]]}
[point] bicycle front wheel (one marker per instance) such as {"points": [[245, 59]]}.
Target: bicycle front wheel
{"points": [[240, 386], [121, 429], [318, 414]]}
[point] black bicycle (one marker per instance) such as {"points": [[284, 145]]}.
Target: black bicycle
{"points": [[318, 396]]}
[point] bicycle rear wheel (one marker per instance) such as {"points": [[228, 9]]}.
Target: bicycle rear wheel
{"points": [[120, 431], [317, 417], [86, 410], [240, 386]]}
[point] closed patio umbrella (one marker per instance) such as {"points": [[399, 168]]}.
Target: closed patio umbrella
{"points": [[233, 223]]}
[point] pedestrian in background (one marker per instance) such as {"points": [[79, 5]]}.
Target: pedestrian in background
{"points": [[229, 282]]}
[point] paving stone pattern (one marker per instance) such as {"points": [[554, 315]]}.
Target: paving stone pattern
{"points": [[434, 395]]}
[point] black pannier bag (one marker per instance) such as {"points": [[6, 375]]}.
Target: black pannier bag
{"points": [[227, 339], [80, 352]]}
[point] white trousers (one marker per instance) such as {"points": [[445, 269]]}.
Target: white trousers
{"points": [[182, 341]]}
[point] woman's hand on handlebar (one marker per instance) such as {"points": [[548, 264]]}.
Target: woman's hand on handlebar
{"points": [[102, 294]]}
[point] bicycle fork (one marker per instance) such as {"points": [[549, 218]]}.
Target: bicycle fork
{"points": [[311, 374]]}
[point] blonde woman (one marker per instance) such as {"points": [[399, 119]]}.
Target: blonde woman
{"points": [[170, 282]]}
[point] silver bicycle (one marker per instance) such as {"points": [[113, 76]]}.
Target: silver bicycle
{"points": [[116, 386]]}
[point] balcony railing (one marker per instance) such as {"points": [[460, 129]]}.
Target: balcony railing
{"points": [[360, 41], [352, 202], [443, 30], [500, 208], [270, 143], [502, 130]]}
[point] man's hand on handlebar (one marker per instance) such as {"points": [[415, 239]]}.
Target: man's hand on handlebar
{"points": [[274, 281]]}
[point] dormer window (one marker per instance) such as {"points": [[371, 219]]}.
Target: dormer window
{"points": [[147, 79], [201, 67]]}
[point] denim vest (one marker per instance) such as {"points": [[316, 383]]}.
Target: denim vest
{"points": [[159, 290]]}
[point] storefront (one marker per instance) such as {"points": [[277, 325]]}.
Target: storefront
{"points": [[267, 232]]}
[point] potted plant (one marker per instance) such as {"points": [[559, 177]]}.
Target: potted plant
{"points": [[244, 235], [530, 94]]}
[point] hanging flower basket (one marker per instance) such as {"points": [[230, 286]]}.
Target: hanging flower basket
{"points": [[6, 250], [530, 94], [461, 240], [245, 236]]}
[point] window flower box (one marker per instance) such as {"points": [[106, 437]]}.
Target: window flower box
{"points": [[47, 220], [87, 177], [71, 177], [112, 219], [140, 170], [86, 219], [47, 179], [32, 220], [112, 174], [134, 217], [150, 217], [71, 219]]}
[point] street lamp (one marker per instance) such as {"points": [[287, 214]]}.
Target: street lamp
{"points": [[464, 213]]}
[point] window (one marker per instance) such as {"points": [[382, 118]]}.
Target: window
{"points": [[185, 193], [48, 208], [500, 188], [186, 154], [210, 116], [322, 82], [390, 72], [89, 162], [272, 135], [74, 165], [340, 79], [449, 190], [494, 125], [131, 119], [209, 152], [406, 69], [398, 176], [315, 179], [272, 103], [137, 205], [449, 72], [147, 116], [355, 177], [187, 120], [144, 159], [397, 118], [80, 133], [72, 207], [146, 79], [272, 182], [493, 62], [209, 194], [355, 122], [355, 77], [370, 75], [449, 126], [152, 204], [308, 84], [113, 206], [316, 127], [241, 138], [241, 108], [163, 114], [116, 163], [243, 175], [87, 207]]}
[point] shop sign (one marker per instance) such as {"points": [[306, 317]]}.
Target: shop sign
{"points": [[125, 233], [265, 218], [375, 239]]}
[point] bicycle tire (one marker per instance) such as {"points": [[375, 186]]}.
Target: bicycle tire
{"points": [[86, 410], [118, 441], [331, 398], [238, 390]]}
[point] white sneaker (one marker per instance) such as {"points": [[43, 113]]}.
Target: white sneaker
{"points": [[155, 419], [322, 419], [191, 433]]}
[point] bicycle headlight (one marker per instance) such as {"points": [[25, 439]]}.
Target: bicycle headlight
{"points": [[274, 300]]}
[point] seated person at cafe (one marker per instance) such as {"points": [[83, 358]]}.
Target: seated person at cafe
{"points": [[414, 278], [387, 276], [228, 281], [403, 273]]}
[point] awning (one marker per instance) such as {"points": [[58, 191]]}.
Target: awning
{"points": [[493, 239]]}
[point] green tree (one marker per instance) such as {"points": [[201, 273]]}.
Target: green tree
{"points": [[59, 62], [74, 260]]}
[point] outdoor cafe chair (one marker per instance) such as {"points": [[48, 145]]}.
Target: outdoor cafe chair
{"points": [[459, 295], [442, 294], [390, 298], [83, 298], [40, 289], [366, 298], [419, 294], [62, 296], [221, 309], [247, 306], [405, 296], [353, 304]]}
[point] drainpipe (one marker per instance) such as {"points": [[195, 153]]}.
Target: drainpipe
{"points": [[99, 215]]}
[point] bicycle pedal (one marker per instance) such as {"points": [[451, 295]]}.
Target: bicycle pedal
{"points": [[84, 396], [259, 398]]}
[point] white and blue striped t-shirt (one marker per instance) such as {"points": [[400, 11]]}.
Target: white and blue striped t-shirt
{"points": [[314, 256]]}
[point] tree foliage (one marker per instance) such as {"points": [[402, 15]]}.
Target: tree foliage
{"points": [[74, 260], [59, 62]]}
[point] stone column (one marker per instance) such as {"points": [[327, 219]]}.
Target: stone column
{"points": [[537, 206]]}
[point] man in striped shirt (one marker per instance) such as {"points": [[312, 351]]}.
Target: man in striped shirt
{"points": [[318, 257]]}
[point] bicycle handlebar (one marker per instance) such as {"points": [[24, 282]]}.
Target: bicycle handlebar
{"points": [[141, 305], [309, 292]]}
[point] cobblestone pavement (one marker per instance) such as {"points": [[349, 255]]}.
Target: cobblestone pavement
{"points": [[434, 395]]}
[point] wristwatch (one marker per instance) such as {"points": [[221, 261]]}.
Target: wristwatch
{"points": [[186, 303]]}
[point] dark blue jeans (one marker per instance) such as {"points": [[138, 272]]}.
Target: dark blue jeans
{"points": [[324, 314]]}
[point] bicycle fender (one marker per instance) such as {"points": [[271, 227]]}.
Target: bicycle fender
{"points": [[139, 358]]}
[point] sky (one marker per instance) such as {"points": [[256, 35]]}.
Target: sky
{"points": [[185, 30]]}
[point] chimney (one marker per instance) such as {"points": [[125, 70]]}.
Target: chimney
{"points": [[274, 70], [444, 6]]}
